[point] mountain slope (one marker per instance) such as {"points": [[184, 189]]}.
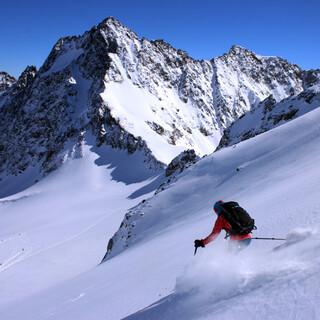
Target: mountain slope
{"points": [[277, 183]]}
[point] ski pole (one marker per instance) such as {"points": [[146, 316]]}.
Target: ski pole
{"points": [[257, 238], [195, 250]]}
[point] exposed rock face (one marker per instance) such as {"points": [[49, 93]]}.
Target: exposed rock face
{"points": [[132, 94], [311, 79], [181, 162]]}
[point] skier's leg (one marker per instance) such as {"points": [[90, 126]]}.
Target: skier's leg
{"points": [[242, 244], [238, 245]]}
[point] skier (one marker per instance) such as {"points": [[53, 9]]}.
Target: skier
{"points": [[235, 221]]}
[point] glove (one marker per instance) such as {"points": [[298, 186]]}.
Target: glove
{"points": [[198, 243]]}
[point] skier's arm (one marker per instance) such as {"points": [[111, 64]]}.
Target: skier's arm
{"points": [[215, 231]]}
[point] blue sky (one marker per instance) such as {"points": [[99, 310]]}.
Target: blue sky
{"points": [[204, 28]]}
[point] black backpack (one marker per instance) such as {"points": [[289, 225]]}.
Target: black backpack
{"points": [[239, 219]]}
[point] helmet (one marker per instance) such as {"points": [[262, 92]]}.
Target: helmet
{"points": [[218, 207]]}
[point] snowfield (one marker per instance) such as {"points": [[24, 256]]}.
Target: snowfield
{"points": [[147, 109], [53, 235], [70, 214]]}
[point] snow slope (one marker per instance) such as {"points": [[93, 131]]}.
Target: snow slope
{"points": [[58, 228], [277, 181]]}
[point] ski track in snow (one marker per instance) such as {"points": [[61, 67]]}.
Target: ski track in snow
{"points": [[14, 259], [18, 249]]}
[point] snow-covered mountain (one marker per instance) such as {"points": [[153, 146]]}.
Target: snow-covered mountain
{"points": [[270, 113], [130, 93], [244, 78]]}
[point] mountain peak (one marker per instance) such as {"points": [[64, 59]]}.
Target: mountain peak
{"points": [[109, 21], [29, 71], [6, 81], [27, 77], [237, 49], [6, 76], [114, 28]]}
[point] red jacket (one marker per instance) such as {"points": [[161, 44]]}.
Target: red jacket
{"points": [[222, 223]]}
